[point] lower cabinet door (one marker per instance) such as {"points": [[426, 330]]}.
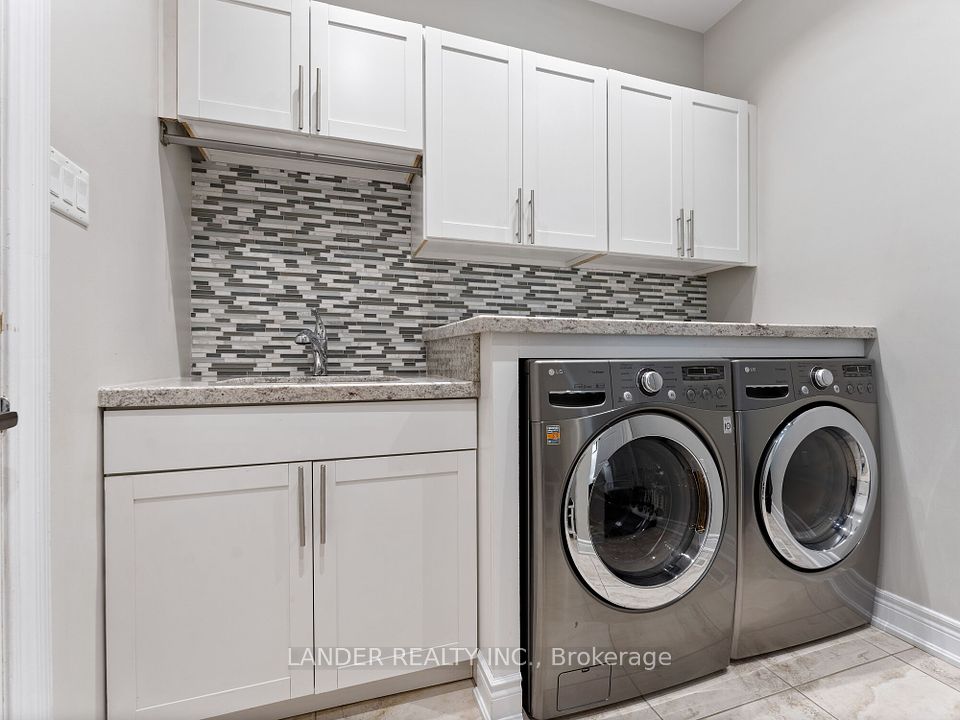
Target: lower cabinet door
{"points": [[209, 589], [396, 565]]}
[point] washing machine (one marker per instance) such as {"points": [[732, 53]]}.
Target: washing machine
{"points": [[628, 561], [809, 537]]}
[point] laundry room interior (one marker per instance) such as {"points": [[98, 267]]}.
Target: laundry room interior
{"points": [[460, 360]]}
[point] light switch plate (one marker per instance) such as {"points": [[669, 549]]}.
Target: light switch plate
{"points": [[69, 188]]}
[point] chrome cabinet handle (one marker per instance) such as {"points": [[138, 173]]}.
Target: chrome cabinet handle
{"points": [[323, 504], [533, 221], [300, 99], [303, 511], [681, 238], [690, 246], [518, 234], [318, 99], [680, 235]]}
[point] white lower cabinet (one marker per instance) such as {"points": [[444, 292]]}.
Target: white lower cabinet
{"points": [[219, 580], [395, 563], [209, 583]]}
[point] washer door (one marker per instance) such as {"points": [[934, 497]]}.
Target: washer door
{"points": [[644, 512], [818, 487]]}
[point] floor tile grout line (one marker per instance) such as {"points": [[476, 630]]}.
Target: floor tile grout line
{"points": [[743, 704], [922, 670], [861, 664], [852, 667], [816, 704], [800, 690], [733, 707]]}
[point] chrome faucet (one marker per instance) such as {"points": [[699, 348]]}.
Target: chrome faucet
{"points": [[317, 340]]}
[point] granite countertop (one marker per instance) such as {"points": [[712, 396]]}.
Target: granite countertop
{"points": [[281, 391], [589, 326]]}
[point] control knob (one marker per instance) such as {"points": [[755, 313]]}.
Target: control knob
{"points": [[650, 382], [821, 377]]}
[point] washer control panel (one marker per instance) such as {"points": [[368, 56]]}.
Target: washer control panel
{"points": [[703, 384], [837, 378], [766, 383]]}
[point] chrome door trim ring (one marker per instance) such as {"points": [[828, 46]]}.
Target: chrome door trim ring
{"points": [[591, 569], [773, 473]]}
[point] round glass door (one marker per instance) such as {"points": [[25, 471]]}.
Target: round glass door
{"points": [[644, 512], [817, 487]]}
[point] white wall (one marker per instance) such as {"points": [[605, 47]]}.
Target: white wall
{"points": [[859, 152], [572, 29], [120, 296]]}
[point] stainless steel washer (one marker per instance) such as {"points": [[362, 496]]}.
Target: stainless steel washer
{"points": [[809, 500], [629, 543]]}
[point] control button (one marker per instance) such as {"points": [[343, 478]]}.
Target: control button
{"points": [[721, 393], [836, 388], [649, 381], [706, 394], [804, 389], [628, 396], [821, 377], [672, 394], [860, 388], [869, 387], [691, 394], [849, 389]]}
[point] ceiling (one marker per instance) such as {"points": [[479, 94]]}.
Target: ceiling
{"points": [[699, 15]]}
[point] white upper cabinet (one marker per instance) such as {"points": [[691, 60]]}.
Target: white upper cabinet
{"points": [[366, 77], [243, 61], [565, 154], [645, 152], [209, 583], [473, 171], [715, 177]]}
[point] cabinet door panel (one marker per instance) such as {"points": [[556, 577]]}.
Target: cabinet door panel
{"points": [[565, 153], [715, 176], [473, 172], [208, 588], [242, 61], [645, 166], [367, 77], [403, 533]]}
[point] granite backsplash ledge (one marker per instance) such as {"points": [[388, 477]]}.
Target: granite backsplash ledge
{"points": [[269, 244]]}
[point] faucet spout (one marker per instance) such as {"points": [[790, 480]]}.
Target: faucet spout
{"points": [[316, 339]]}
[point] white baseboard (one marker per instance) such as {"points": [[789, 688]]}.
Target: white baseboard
{"points": [[929, 630], [499, 697]]}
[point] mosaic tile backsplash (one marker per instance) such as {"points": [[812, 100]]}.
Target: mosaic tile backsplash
{"points": [[270, 244]]}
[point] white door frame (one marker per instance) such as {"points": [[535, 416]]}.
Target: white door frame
{"points": [[25, 215]]}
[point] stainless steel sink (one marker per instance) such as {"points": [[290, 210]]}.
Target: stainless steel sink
{"points": [[345, 378]]}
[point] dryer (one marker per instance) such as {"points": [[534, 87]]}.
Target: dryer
{"points": [[809, 533], [628, 529]]}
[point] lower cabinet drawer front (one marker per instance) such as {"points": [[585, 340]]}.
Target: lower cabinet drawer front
{"points": [[136, 441]]}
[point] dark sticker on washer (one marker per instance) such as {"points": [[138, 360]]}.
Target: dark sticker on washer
{"points": [[553, 435]]}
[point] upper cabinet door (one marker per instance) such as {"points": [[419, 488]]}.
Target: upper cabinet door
{"points": [[715, 177], [366, 77], [473, 169], [646, 179], [565, 153], [244, 61], [209, 584]]}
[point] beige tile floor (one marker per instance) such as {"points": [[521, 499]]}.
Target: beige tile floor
{"points": [[865, 674]]}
